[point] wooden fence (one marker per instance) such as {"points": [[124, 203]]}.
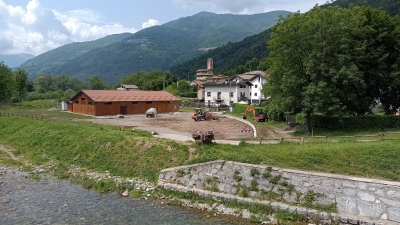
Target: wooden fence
{"points": [[356, 138]]}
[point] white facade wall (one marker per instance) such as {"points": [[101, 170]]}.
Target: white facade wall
{"points": [[224, 96], [255, 90]]}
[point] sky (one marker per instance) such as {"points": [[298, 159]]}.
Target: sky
{"points": [[37, 26]]}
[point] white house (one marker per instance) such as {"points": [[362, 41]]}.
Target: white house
{"points": [[226, 92], [257, 79]]}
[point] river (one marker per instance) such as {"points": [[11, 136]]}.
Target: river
{"points": [[54, 201]]}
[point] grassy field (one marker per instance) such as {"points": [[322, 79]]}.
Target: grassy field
{"points": [[133, 153], [136, 153]]}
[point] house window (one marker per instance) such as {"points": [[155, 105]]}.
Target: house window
{"points": [[255, 94], [208, 94], [149, 102], [107, 103], [135, 103], [231, 94], [77, 102], [89, 103], [83, 99], [250, 93], [255, 86]]}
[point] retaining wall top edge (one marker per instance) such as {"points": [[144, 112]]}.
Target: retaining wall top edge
{"points": [[330, 175], [193, 165]]}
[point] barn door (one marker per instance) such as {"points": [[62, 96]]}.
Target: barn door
{"points": [[123, 110]]}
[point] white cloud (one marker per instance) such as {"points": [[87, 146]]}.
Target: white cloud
{"points": [[88, 15], [223, 6], [150, 23], [35, 29], [248, 6]]}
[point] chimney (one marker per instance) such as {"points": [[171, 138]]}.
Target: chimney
{"points": [[210, 64]]}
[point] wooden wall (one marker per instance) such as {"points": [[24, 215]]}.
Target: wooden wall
{"points": [[83, 105], [139, 108]]}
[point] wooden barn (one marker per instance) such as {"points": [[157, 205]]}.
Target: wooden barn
{"points": [[111, 102]]}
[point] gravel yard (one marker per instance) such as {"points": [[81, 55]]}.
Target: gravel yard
{"points": [[182, 123]]}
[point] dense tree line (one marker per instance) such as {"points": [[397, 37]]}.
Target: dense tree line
{"points": [[334, 61], [15, 85]]}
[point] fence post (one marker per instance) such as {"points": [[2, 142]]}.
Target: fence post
{"points": [[355, 137], [382, 134], [326, 138], [260, 141], [302, 140]]}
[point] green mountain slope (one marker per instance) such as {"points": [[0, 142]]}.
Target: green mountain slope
{"points": [[392, 7], [46, 62], [232, 55], [226, 57], [158, 47], [15, 60]]}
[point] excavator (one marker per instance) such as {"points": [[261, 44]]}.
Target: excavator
{"points": [[199, 115], [259, 116]]}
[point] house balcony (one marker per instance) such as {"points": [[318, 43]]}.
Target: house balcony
{"points": [[219, 99]]}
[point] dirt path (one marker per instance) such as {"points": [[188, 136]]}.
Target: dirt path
{"points": [[182, 123], [12, 156]]}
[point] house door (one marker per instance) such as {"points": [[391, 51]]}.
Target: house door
{"points": [[123, 110]]}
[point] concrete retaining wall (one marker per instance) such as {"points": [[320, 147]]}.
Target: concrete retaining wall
{"points": [[356, 199], [246, 122]]}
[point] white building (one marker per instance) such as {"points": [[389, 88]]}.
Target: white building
{"points": [[257, 79], [226, 92]]}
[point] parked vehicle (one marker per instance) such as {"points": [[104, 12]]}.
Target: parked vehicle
{"points": [[259, 116], [152, 112]]}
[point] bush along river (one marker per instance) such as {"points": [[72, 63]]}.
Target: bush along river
{"points": [[49, 200]]}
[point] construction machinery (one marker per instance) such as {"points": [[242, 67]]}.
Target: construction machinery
{"points": [[259, 116], [199, 115]]}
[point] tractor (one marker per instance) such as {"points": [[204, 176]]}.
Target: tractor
{"points": [[259, 116], [199, 115]]}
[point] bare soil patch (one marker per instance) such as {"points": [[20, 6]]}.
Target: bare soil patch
{"points": [[182, 123]]}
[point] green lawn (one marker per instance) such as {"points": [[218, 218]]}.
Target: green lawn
{"points": [[137, 153]]}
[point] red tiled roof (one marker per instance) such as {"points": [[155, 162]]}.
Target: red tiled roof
{"points": [[125, 96], [199, 83]]}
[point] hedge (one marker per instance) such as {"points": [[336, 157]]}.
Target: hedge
{"points": [[355, 122]]}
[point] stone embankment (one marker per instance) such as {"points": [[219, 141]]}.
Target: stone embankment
{"points": [[357, 200]]}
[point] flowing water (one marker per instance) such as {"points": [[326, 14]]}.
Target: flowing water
{"points": [[54, 201]]}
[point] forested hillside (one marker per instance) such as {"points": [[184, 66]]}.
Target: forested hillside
{"points": [[226, 57], [392, 7], [234, 55], [154, 48], [47, 62], [15, 60]]}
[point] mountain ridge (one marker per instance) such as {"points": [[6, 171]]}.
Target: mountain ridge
{"points": [[155, 48]]}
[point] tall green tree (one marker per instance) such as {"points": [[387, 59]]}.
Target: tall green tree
{"points": [[315, 63], [95, 83], [43, 83], [7, 83], [380, 61], [21, 82]]}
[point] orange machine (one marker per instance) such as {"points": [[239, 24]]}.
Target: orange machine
{"points": [[199, 115], [259, 116]]}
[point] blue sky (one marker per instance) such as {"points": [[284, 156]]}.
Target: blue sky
{"points": [[37, 26]]}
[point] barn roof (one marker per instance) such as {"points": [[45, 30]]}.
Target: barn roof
{"points": [[126, 96], [132, 86]]}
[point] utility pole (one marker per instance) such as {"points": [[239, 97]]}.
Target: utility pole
{"points": [[164, 82], [138, 77]]}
